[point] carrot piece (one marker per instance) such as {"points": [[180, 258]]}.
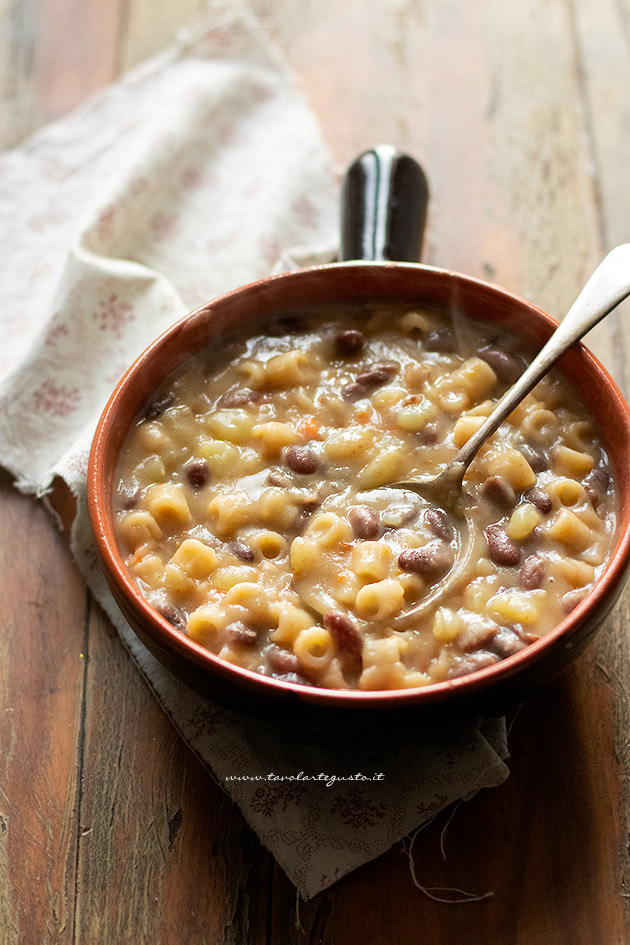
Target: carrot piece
{"points": [[308, 427]]}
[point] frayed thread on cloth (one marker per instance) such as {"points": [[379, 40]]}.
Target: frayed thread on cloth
{"points": [[456, 896]]}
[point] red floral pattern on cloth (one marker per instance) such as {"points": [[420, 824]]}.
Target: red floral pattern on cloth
{"points": [[271, 799], [166, 190], [358, 810], [55, 399], [112, 314]]}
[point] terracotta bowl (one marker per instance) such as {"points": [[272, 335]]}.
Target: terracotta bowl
{"points": [[487, 690]]}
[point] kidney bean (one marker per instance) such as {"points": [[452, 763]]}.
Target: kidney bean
{"points": [[535, 457], [241, 633], [428, 434], [158, 406], [532, 573], [472, 662], [241, 550], [437, 522], [197, 473], [442, 341], [239, 397], [479, 632], [364, 521], [282, 661], [499, 491], [506, 642], [379, 374], [539, 499], [507, 367], [369, 380], [502, 549], [572, 599], [593, 496], [599, 479], [301, 460], [344, 633], [349, 341], [173, 615], [431, 560], [353, 391]]}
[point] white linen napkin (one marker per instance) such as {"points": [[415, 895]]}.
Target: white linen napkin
{"points": [[185, 179]]}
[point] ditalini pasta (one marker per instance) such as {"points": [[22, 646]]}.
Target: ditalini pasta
{"points": [[251, 510]]}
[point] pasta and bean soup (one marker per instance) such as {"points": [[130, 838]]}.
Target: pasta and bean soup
{"points": [[252, 507]]}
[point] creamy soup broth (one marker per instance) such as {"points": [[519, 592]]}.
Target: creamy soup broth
{"points": [[251, 511]]}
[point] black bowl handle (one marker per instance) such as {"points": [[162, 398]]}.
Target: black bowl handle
{"points": [[383, 207]]}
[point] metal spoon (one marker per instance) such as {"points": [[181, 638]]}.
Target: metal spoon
{"points": [[608, 286]]}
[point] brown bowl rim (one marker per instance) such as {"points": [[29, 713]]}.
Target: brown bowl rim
{"points": [[174, 640]]}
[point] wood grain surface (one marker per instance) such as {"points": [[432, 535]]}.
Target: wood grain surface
{"points": [[110, 829]]}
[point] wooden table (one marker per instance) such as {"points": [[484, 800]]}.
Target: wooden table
{"points": [[110, 830]]}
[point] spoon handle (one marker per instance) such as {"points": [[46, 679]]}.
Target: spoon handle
{"points": [[608, 286]]}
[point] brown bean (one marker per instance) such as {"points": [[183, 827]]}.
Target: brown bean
{"points": [[301, 460], [353, 391], [379, 374], [173, 615], [599, 479], [344, 633], [539, 499], [240, 633], [506, 642], [197, 473], [437, 521], [592, 495], [532, 573], [281, 660], [239, 397], [367, 381], [499, 491], [502, 549], [159, 405], [431, 560], [535, 457], [507, 367], [428, 434], [349, 342], [472, 662], [241, 550], [364, 521], [442, 341]]}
